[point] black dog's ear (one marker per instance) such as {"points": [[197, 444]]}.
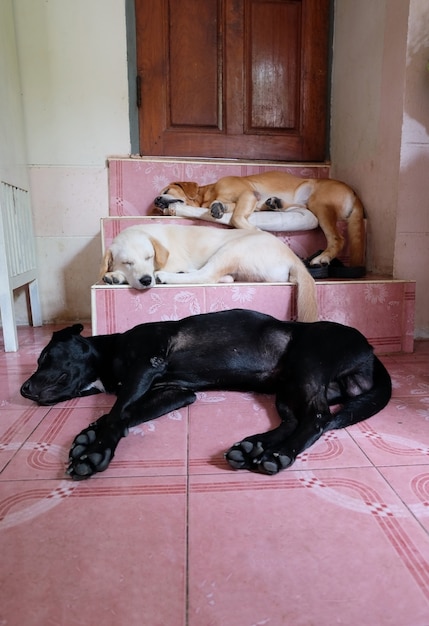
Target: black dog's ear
{"points": [[65, 333]]}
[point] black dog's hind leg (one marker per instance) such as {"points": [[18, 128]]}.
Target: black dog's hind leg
{"points": [[273, 451], [304, 409], [94, 448]]}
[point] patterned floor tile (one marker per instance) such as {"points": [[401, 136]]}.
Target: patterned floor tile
{"points": [[324, 547], [219, 420], [411, 483], [153, 448], [399, 435], [106, 552], [169, 535]]}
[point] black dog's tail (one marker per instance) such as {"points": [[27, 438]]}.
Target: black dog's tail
{"points": [[359, 408]]}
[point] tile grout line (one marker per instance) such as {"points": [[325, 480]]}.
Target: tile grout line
{"points": [[187, 556]]}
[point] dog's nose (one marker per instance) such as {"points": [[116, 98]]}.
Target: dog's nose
{"points": [[145, 281], [27, 392], [159, 202]]}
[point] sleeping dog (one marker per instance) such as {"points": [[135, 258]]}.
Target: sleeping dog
{"points": [[181, 255], [329, 200], [158, 367]]}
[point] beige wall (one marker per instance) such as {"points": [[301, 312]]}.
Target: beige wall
{"points": [[379, 137], [73, 70], [13, 156], [412, 231], [73, 67]]}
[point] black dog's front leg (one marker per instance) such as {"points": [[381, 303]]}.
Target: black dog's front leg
{"points": [[94, 448]]}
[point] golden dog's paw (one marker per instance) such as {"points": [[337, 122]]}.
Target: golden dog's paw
{"points": [[321, 259], [217, 209], [163, 278], [168, 210], [114, 278], [274, 204]]}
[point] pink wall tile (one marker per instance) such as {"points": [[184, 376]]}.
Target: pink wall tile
{"points": [[375, 307]]}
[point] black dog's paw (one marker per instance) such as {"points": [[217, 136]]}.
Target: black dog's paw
{"points": [[217, 210], [274, 204], [89, 453], [251, 455]]}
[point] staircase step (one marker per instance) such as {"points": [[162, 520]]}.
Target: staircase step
{"points": [[380, 307], [134, 183]]}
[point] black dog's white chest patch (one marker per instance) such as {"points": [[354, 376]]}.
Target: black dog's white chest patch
{"points": [[97, 384]]}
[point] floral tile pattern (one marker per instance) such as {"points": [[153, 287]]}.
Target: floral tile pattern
{"points": [[381, 309], [169, 535]]}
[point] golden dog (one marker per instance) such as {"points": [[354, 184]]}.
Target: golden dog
{"points": [[141, 256], [329, 200]]}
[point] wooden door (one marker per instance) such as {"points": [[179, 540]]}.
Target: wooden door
{"points": [[241, 79]]}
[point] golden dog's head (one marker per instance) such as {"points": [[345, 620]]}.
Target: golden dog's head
{"points": [[187, 192], [132, 259]]}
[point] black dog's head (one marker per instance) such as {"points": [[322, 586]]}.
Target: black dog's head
{"points": [[67, 368]]}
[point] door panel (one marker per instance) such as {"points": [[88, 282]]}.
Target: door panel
{"points": [[233, 78], [273, 65], [194, 61]]}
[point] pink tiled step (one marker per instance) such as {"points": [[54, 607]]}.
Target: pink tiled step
{"points": [[134, 183], [382, 309]]}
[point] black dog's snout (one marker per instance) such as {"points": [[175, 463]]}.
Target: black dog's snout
{"points": [[27, 392], [145, 281]]}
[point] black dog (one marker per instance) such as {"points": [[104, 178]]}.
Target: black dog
{"points": [[157, 367]]}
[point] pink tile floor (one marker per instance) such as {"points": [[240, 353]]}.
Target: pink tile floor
{"points": [[169, 536]]}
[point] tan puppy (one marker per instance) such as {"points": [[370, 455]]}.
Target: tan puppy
{"points": [[141, 256], [329, 200]]}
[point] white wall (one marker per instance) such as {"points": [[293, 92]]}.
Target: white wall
{"points": [[380, 122], [412, 233], [72, 59], [367, 93], [13, 157]]}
